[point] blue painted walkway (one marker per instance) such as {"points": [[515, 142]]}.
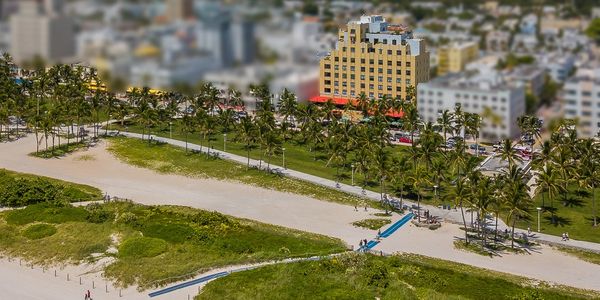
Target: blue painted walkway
{"points": [[396, 226], [387, 232], [188, 283]]}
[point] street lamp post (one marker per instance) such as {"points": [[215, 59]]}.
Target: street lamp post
{"points": [[224, 142], [283, 153], [171, 130], [539, 209], [352, 165], [435, 187]]}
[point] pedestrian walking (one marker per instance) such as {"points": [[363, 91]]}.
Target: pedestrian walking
{"points": [[355, 207], [365, 207]]}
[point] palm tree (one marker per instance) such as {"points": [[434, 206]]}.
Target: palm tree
{"points": [[420, 179], [459, 120], [337, 154], [445, 122], [516, 197], [461, 195], [472, 127], [246, 134], [548, 182], [509, 153], [483, 197], [362, 103], [287, 105], [381, 165], [271, 145], [399, 170]]}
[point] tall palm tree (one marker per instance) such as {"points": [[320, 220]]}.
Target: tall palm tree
{"points": [[362, 103], [461, 194], [482, 199], [337, 154], [420, 179], [516, 198], [548, 182], [509, 153], [246, 134], [472, 127], [381, 165], [287, 105], [445, 122]]}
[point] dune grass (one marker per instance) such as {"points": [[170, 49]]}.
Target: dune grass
{"points": [[149, 245], [358, 276], [72, 191], [166, 158], [372, 224], [592, 257]]}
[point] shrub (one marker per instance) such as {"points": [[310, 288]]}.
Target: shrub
{"points": [[22, 192], [38, 231], [142, 247], [46, 212], [210, 218], [98, 214], [128, 218]]}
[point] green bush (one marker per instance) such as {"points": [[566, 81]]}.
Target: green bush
{"points": [[21, 192], [142, 247], [48, 213], [38, 231], [97, 214]]}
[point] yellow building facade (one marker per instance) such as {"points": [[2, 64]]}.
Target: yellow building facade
{"points": [[374, 58], [454, 57]]}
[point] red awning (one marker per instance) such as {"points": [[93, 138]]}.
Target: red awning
{"points": [[323, 99], [344, 101]]}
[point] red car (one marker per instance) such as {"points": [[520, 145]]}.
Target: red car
{"points": [[404, 140]]}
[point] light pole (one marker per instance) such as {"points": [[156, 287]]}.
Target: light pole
{"points": [[539, 209], [283, 152], [352, 165], [435, 187], [171, 130], [224, 142]]}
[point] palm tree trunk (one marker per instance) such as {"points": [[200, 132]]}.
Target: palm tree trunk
{"points": [[248, 163], [496, 229], [462, 212], [594, 204], [37, 141], [512, 240]]}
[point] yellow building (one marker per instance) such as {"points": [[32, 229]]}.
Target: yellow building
{"points": [[375, 58], [454, 57]]}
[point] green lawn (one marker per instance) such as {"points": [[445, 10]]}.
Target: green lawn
{"points": [[59, 151], [297, 157], [151, 245], [372, 224], [165, 158], [356, 276], [573, 216]]}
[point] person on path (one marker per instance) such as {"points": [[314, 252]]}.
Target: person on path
{"points": [[564, 237], [355, 207], [567, 235], [365, 207]]}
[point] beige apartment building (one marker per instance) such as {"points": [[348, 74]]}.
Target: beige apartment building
{"points": [[454, 57], [375, 58]]}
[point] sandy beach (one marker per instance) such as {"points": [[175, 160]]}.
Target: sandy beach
{"points": [[102, 170]]}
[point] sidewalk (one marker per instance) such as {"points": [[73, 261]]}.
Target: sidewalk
{"points": [[452, 216]]}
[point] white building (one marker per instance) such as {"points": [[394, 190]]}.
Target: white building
{"points": [[166, 73], [581, 98], [559, 65], [475, 92], [40, 29], [301, 80]]}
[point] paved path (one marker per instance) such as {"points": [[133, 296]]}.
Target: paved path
{"points": [[452, 215]]}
